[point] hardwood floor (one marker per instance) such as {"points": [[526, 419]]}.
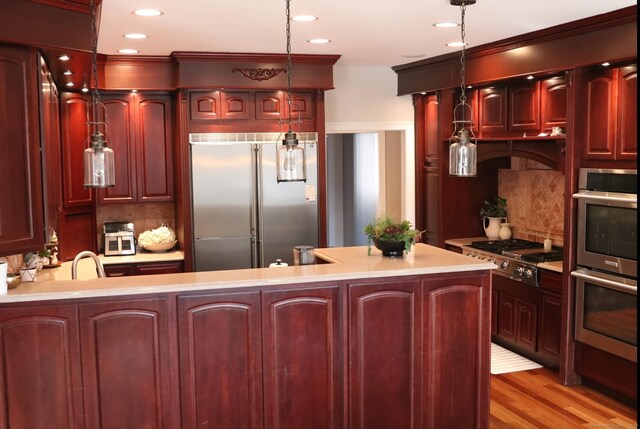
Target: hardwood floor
{"points": [[535, 399]]}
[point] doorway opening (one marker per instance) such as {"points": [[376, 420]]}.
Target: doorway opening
{"points": [[366, 176]]}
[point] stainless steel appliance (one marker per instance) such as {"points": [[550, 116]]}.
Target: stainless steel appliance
{"points": [[516, 259], [607, 220], [607, 253], [242, 217], [119, 239]]}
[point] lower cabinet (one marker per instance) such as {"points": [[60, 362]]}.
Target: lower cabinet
{"points": [[40, 380], [401, 352], [126, 364], [121, 270]]}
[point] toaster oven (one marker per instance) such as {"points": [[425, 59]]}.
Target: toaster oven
{"points": [[119, 239]]}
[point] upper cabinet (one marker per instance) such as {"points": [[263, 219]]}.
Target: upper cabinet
{"points": [[221, 106], [608, 115], [521, 109], [21, 211], [139, 130]]}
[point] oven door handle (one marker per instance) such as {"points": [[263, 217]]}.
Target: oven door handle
{"points": [[600, 281], [601, 196]]}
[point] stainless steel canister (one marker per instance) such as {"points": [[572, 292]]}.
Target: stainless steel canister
{"points": [[303, 255]]}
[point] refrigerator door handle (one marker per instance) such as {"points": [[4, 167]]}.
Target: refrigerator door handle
{"points": [[257, 201]]}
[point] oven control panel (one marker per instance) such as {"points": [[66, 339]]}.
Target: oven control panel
{"points": [[509, 267]]}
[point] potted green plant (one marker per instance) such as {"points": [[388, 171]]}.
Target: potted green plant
{"points": [[392, 238], [493, 213]]}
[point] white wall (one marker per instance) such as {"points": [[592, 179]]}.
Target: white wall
{"points": [[365, 100]]}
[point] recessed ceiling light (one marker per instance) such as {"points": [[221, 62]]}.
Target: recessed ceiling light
{"points": [[67, 73], [530, 77], [128, 51], [456, 44], [319, 41], [606, 64], [134, 90], [64, 57], [85, 89], [147, 12], [136, 36], [69, 83], [446, 24], [304, 18]]}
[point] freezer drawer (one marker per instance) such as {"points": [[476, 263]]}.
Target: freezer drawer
{"points": [[223, 253]]}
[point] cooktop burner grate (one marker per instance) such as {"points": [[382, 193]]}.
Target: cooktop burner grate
{"points": [[498, 246], [554, 255]]}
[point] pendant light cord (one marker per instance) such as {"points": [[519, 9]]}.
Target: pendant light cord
{"points": [[95, 96], [463, 96], [288, 2]]}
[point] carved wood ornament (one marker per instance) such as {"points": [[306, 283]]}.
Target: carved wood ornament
{"points": [[260, 73]]}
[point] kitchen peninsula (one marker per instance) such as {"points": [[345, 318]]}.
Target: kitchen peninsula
{"points": [[356, 341]]}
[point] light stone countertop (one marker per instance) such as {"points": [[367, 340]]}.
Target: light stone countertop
{"points": [[551, 266], [86, 268], [345, 263]]}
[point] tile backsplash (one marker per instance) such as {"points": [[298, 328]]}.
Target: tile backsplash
{"points": [[535, 200]]}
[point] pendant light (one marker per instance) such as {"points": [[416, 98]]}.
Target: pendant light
{"points": [[99, 169], [462, 143], [290, 157]]}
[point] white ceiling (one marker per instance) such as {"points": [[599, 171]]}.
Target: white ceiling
{"points": [[363, 32]]}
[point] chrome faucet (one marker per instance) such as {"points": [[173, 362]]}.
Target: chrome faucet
{"points": [[84, 254]]}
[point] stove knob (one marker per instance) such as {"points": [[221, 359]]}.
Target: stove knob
{"points": [[504, 265], [528, 273], [518, 271]]}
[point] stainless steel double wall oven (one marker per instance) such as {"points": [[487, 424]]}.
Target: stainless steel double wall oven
{"points": [[606, 276]]}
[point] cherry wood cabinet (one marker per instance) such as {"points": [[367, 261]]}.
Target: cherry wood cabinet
{"points": [[225, 106], [384, 354], [492, 106], [40, 380], [302, 332], [140, 132], [524, 107], [455, 356], [553, 102], [550, 316], [221, 360], [517, 321], [125, 364], [21, 211], [609, 115], [140, 269]]}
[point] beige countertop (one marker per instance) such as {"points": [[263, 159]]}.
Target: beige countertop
{"points": [[345, 263], [551, 266], [86, 268]]}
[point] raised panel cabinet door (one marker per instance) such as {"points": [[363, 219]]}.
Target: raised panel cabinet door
{"points": [[550, 319], [119, 270], [627, 137], [524, 107], [236, 105], [301, 106], [125, 364], [21, 210], [456, 351], [553, 102], [154, 148], [507, 317], [120, 138], [75, 139], [204, 106], [269, 105], [40, 381], [301, 357], [220, 361], [495, 297], [526, 324], [79, 231], [600, 120], [158, 268], [384, 354], [492, 106]]}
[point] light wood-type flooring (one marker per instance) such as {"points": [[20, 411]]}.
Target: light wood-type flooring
{"points": [[536, 399]]}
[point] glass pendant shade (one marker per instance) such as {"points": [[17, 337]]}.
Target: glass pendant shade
{"points": [[462, 156], [291, 160], [99, 169]]}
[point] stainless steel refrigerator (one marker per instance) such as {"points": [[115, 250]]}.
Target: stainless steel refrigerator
{"points": [[242, 217]]}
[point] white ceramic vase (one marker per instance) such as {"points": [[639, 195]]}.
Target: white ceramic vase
{"points": [[505, 231], [492, 227]]}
